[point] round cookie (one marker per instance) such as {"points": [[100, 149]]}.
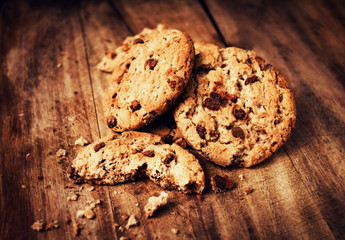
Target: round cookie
{"points": [[149, 72], [236, 109], [130, 155]]}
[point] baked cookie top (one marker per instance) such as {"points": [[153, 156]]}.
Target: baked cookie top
{"points": [[236, 109], [130, 155], [149, 72]]}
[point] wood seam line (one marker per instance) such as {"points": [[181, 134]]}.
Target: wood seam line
{"points": [[88, 68], [118, 13], [213, 22], [308, 190]]}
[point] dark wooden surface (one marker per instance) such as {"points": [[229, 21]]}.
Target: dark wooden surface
{"points": [[298, 193]]}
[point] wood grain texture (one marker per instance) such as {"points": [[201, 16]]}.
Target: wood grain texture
{"points": [[297, 37], [297, 193], [44, 108]]}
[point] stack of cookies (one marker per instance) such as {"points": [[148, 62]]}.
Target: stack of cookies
{"points": [[227, 103]]}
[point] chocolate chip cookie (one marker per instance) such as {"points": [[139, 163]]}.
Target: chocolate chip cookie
{"points": [[236, 110], [149, 72], [131, 155]]}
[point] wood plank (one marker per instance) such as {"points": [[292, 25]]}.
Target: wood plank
{"points": [[44, 107], [278, 207], [297, 37]]}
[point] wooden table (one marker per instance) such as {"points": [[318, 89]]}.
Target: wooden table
{"points": [[51, 94]]}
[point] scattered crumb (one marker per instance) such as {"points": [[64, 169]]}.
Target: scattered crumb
{"points": [[88, 232], [51, 226], [221, 183], [92, 188], [248, 190], [88, 213], [59, 65], [81, 141], [68, 186], [200, 197], [174, 231], [71, 119], [241, 177], [81, 188], [124, 238], [61, 152], [28, 155], [115, 192], [121, 229], [132, 222], [155, 203], [24, 186], [116, 225], [38, 225], [76, 229], [137, 204], [74, 197], [20, 114]]}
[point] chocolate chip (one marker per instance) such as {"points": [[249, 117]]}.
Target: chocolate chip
{"points": [[114, 96], [223, 65], [201, 131], [237, 132], [251, 80], [168, 158], [280, 98], [98, 146], [111, 121], [172, 84], [138, 41], [214, 135], [151, 63], [167, 139], [135, 105], [149, 153], [239, 86], [182, 143], [213, 102], [113, 55], [238, 112]]}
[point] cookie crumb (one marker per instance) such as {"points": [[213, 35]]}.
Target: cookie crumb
{"points": [[137, 204], [121, 229], [24, 186], [38, 225], [76, 229], [88, 232], [174, 231], [124, 238], [61, 152], [51, 226], [81, 141], [241, 177], [74, 197], [221, 184], [81, 188], [59, 65], [200, 197], [68, 186], [132, 222], [92, 189], [125, 217], [155, 203]]}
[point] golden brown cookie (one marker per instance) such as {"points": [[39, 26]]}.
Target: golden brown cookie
{"points": [[236, 110], [149, 72], [130, 155]]}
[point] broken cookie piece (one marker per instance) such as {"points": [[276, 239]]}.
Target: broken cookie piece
{"points": [[154, 203], [132, 222], [131, 155], [221, 183]]}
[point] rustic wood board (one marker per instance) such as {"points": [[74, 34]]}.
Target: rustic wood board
{"points": [[51, 94]]}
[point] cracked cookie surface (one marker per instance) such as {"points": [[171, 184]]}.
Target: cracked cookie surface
{"points": [[236, 109], [149, 72], [131, 155]]}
